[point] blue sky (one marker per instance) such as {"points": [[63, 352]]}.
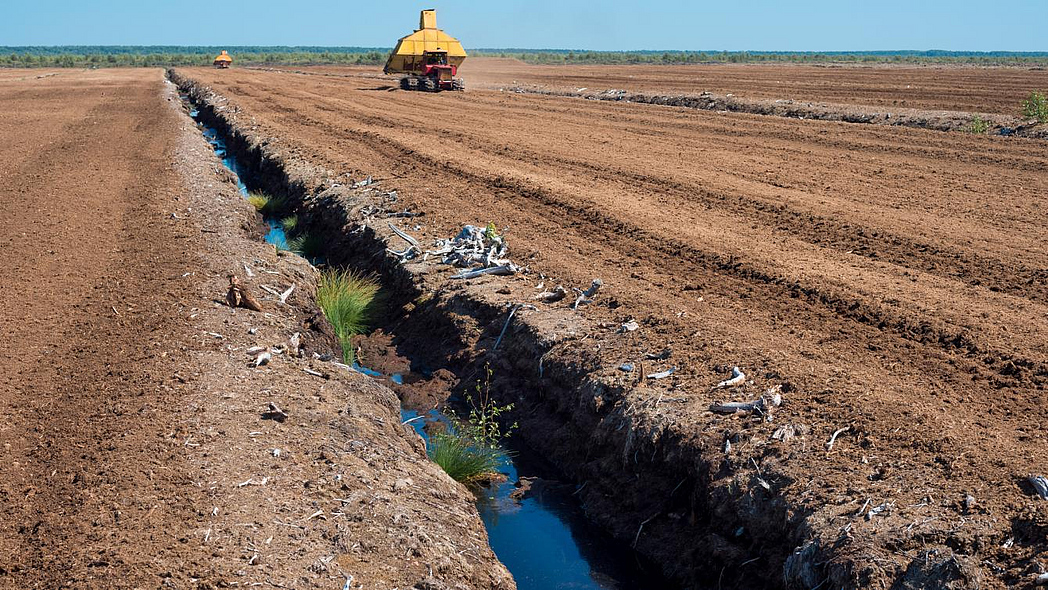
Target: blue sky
{"points": [[815, 25]]}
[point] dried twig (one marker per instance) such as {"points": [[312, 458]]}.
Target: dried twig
{"points": [[506, 269], [737, 378], [505, 326], [838, 432]]}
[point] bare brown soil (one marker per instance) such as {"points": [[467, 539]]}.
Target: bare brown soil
{"points": [[893, 281], [138, 445], [995, 90], [954, 88]]}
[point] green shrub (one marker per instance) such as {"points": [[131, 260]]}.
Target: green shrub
{"points": [[347, 300], [267, 205], [978, 125], [1036, 107], [308, 246]]}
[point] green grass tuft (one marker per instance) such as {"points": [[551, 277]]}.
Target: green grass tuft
{"points": [[309, 246], [290, 224], [463, 459], [348, 301], [267, 205]]}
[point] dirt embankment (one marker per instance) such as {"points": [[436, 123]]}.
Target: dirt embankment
{"points": [[861, 269], [139, 445]]}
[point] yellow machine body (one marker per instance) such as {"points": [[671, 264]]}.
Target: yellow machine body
{"points": [[410, 54], [223, 60]]}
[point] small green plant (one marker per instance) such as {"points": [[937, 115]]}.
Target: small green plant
{"points": [[978, 125], [290, 224], [347, 300], [463, 459], [1036, 107], [267, 205], [309, 246], [484, 424], [471, 452]]}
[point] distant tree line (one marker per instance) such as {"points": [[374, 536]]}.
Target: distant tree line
{"points": [[160, 56], [84, 56], [702, 57]]}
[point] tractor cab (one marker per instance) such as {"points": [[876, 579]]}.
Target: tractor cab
{"points": [[435, 64]]}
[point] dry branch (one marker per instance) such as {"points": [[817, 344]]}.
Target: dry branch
{"points": [[239, 296]]}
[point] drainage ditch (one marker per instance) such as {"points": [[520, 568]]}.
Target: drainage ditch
{"points": [[534, 520]]}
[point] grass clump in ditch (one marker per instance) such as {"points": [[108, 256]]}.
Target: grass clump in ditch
{"points": [[472, 452], [463, 459], [978, 125], [347, 300], [289, 224], [267, 205], [1036, 107], [309, 246]]}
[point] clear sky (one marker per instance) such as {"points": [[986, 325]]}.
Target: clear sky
{"points": [[812, 25]]}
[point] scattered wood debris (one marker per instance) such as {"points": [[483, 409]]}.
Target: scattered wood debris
{"points": [[630, 326], [663, 374], [273, 412], [737, 378], [552, 296], [586, 297], [483, 250], [1040, 485], [762, 405], [239, 296]]}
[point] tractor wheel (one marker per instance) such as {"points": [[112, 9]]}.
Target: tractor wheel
{"points": [[429, 84], [405, 83], [458, 84]]}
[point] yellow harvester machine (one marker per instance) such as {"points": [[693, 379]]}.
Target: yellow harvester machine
{"points": [[223, 61], [429, 56]]}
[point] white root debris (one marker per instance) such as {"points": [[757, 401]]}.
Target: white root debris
{"points": [[270, 290], [263, 359], [413, 245], [295, 344], [1040, 485], [552, 296], [286, 294], [737, 378], [879, 509], [833, 439], [663, 374], [763, 405], [506, 269], [586, 297], [476, 248]]}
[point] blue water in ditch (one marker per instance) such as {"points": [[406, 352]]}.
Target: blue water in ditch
{"points": [[543, 539], [275, 234]]}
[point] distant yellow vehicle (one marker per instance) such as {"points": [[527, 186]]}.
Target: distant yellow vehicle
{"points": [[429, 56], [223, 61]]}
